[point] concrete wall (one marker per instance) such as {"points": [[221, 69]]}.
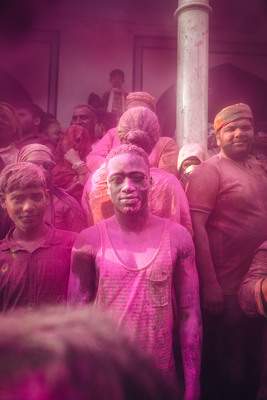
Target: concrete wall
{"points": [[95, 38]]}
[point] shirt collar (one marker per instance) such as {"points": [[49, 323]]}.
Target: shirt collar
{"points": [[8, 243]]}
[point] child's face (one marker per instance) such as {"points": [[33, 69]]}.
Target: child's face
{"points": [[26, 207]]}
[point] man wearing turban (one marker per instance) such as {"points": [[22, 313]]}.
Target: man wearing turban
{"points": [[227, 197]]}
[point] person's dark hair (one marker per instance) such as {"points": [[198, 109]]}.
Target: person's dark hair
{"points": [[35, 110], [54, 354], [116, 72], [19, 176], [93, 98], [90, 108], [127, 149]]}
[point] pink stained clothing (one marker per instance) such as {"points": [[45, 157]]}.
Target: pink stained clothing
{"points": [[64, 211], [164, 155], [97, 156], [140, 299], [250, 296], [37, 278], [166, 198], [235, 198]]}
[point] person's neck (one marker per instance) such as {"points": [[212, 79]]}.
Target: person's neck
{"points": [[132, 222], [238, 160], [31, 237], [117, 89], [33, 133]]}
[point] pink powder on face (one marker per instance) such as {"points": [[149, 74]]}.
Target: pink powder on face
{"points": [[128, 182]]}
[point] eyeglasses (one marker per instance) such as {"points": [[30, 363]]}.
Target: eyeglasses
{"points": [[48, 165]]}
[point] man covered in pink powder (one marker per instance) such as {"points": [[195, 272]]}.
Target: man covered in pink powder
{"points": [[131, 262], [227, 196]]}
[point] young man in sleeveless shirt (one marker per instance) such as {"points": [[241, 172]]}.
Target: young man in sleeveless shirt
{"points": [[130, 264]]}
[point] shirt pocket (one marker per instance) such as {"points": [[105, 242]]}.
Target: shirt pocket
{"points": [[158, 292]]}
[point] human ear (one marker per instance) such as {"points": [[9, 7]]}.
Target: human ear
{"points": [[3, 202], [47, 196], [218, 140]]}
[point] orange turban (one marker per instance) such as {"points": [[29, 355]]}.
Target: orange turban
{"points": [[232, 113]]}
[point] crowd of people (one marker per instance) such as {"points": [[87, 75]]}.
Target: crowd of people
{"points": [[171, 243]]}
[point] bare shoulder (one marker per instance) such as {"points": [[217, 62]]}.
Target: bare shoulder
{"points": [[88, 241]]}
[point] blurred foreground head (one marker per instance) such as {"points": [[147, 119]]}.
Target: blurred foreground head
{"points": [[73, 355]]}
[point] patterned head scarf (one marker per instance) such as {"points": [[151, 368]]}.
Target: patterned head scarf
{"points": [[143, 97], [232, 113], [11, 114], [139, 126], [30, 148]]}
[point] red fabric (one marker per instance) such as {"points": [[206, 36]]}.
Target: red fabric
{"points": [[78, 138]]}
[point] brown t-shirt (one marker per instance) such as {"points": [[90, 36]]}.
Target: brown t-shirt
{"points": [[236, 199]]}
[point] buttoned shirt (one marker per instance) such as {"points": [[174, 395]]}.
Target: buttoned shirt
{"points": [[30, 279]]}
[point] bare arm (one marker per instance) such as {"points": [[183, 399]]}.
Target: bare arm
{"points": [[72, 157], [82, 281], [211, 291], [185, 281]]}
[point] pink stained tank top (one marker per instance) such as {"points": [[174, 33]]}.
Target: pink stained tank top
{"points": [[140, 298]]}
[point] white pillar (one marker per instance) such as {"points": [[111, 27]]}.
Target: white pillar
{"points": [[192, 71]]}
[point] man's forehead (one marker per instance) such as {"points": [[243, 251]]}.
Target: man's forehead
{"points": [[240, 121], [25, 191], [127, 162], [82, 110]]}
